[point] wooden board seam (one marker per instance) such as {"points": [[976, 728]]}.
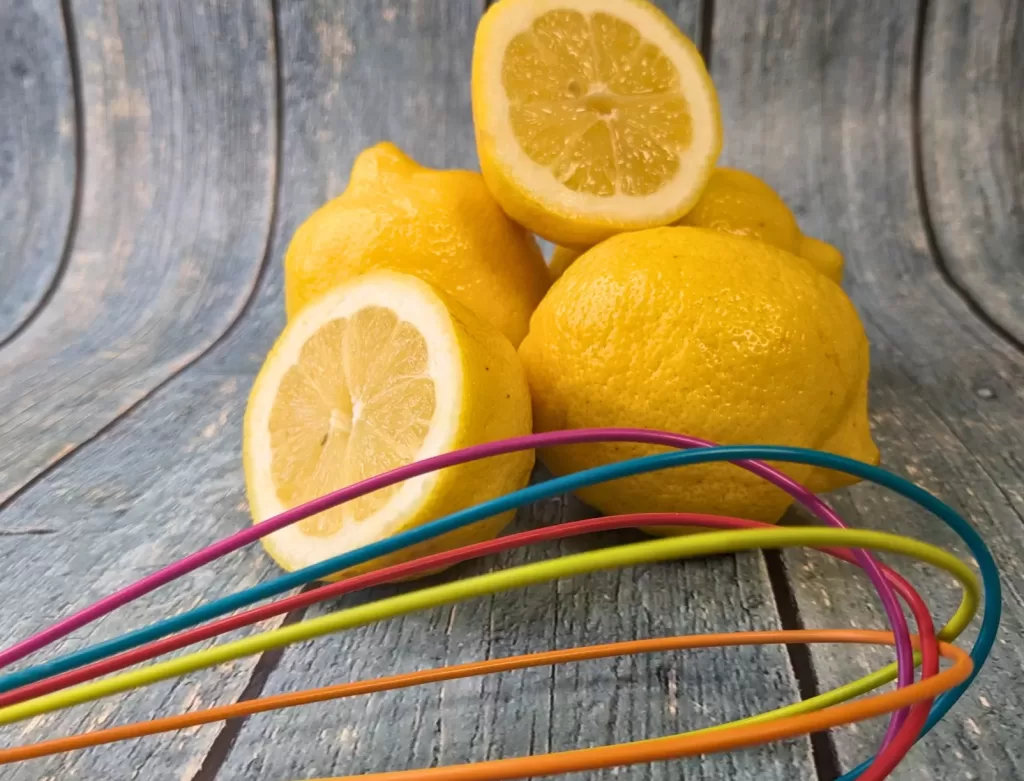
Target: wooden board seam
{"points": [[76, 197], [243, 309], [917, 161]]}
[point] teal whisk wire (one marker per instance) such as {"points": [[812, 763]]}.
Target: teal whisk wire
{"points": [[989, 573]]}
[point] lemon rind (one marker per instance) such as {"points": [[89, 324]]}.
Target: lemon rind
{"points": [[537, 182]]}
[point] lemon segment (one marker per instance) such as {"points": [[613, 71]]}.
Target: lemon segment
{"points": [[376, 374], [592, 116]]}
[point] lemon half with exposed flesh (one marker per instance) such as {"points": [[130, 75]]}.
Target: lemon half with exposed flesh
{"points": [[376, 374], [592, 117]]}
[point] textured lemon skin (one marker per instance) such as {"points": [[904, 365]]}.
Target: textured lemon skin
{"points": [[495, 405], [565, 226], [704, 333], [823, 256], [740, 203], [441, 226]]}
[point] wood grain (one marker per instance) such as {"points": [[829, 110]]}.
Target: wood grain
{"points": [[688, 16], [162, 483], [333, 108], [820, 104], [180, 173], [175, 214], [972, 149], [37, 156]]}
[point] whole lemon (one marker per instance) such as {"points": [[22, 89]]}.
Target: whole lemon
{"points": [[441, 226], [740, 203], [702, 333]]}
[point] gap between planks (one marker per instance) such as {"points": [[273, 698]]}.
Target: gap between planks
{"points": [[268, 661], [75, 67], [823, 749], [917, 166], [76, 196], [220, 748]]}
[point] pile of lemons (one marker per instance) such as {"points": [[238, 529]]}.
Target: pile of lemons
{"points": [[683, 296]]}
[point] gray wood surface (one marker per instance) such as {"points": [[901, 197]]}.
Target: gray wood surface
{"points": [[37, 156], [972, 150], [212, 130], [824, 103], [180, 181], [176, 200]]}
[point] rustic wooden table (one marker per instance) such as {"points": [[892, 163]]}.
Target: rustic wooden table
{"points": [[156, 157]]}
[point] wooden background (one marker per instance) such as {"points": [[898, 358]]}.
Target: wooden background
{"points": [[155, 158]]}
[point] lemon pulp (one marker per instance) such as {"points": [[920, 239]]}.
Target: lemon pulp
{"points": [[357, 403], [595, 103], [377, 373]]}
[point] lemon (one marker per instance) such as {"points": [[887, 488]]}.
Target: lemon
{"points": [[823, 256], [738, 202], [375, 374], [704, 333], [441, 226], [592, 117]]}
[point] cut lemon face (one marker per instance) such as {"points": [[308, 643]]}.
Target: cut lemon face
{"points": [[592, 116], [374, 375]]}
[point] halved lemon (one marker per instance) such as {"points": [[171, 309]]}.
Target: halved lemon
{"points": [[592, 117], [375, 374]]}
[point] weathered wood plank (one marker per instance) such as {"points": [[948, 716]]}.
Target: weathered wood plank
{"points": [[686, 14], [334, 103], [175, 213], [972, 123], [820, 104], [164, 482], [182, 119], [37, 156]]}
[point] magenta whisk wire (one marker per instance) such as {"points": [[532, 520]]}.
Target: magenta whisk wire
{"points": [[145, 585]]}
